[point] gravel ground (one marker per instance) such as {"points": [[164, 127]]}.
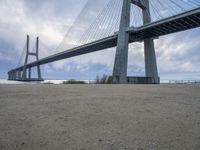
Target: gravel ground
{"points": [[99, 117]]}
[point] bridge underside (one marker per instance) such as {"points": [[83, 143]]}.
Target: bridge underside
{"points": [[181, 22]]}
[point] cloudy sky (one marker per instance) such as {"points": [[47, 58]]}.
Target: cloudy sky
{"points": [[178, 55]]}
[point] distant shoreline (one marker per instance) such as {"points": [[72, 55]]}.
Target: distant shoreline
{"points": [[4, 81]]}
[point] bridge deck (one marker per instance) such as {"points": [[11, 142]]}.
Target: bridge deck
{"points": [[180, 22]]}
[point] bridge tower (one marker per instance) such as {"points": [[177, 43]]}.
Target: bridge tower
{"points": [[121, 57], [25, 67]]}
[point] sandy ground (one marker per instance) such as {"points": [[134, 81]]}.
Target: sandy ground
{"points": [[99, 117]]}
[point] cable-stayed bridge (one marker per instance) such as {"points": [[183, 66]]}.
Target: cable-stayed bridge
{"points": [[123, 25]]}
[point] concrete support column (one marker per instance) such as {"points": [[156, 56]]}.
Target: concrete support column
{"points": [[150, 61], [37, 57], [15, 75], [121, 57], [39, 73], [29, 73], [149, 50], [18, 74], [12, 75], [24, 75]]}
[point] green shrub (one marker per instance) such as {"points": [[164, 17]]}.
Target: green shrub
{"points": [[103, 80], [72, 81]]}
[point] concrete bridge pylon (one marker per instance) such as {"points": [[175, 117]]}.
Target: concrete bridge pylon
{"points": [[121, 57], [24, 76]]}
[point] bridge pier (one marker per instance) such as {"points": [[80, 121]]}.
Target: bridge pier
{"points": [[150, 61], [29, 73], [13, 75], [21, 74], [149, 49], [25, 68], [121, 57], [39, 73], [18, 74]]}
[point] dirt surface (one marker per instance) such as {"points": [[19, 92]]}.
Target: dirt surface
{"points": [[99, 117]]}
